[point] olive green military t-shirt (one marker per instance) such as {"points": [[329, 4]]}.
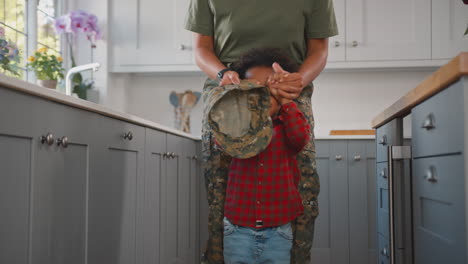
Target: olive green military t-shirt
{"points": [[239, 25]]}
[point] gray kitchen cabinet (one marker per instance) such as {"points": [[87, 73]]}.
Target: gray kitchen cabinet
{"points": [[79, 187], [170, 210], [439, 210], [180, 218], [439, 176], [16, 162], [393, 181], [345, 227], [114, 196], [153, 193], [51, 176]]}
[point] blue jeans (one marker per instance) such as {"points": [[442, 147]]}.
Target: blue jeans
{"points": [[248, 245]]}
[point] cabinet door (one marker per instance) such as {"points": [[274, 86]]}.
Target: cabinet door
{"points": [[60, 184], [149, 33], [331, 238], [388, 30], [449, 21], [193, 202], [114, 184], [439, 210], [362, 202], [17, 144], [155, 169], [337, 44]]}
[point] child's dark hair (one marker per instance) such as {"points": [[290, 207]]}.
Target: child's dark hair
{"points": [[263, 57]]}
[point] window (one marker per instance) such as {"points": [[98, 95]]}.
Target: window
{"points": [[46, 36], [17, 17], [13, 19]]}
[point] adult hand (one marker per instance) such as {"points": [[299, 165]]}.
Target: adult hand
{"points": [[230, 77], [288, 85]]}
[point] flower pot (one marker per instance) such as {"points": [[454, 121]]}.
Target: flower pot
{"points": [[52, 84]]}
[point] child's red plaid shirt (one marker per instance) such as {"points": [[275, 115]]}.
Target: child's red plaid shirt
{"points": [[265, 187]]}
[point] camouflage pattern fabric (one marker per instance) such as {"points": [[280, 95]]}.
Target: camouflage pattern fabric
{"points": [[215, 168], [238, 118]]}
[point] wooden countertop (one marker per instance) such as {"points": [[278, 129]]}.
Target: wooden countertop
{"points": [[435, 83], [56, 96]]}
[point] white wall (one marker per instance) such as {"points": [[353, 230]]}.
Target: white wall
{"points": [[341, 100]]}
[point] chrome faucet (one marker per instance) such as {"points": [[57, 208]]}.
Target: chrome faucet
{"points": [[86, 67]]}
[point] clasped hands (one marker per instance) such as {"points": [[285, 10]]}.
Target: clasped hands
{"points": [[283, 85]]}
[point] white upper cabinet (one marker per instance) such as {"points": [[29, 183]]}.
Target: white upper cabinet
{"points": [[337, 44], [388, 30], [148, 35], [449, 22]]}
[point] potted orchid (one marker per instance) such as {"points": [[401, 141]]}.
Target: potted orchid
{"points": [[9, 54], [47, 67], [71, 25]]}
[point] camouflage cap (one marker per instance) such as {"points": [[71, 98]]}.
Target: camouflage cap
{"points": [[238, 118]]}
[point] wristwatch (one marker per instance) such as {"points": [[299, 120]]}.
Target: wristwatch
{"points": [[221, 73]]}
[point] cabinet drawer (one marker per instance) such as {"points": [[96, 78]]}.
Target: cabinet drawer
{"points": [[382, 175], [437, 123], [388, 134], [382, 199], [439, 210], [122, 135], [384, 250]]}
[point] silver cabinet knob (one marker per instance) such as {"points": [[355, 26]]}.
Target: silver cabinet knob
{"points": [[383, 140], [338, 157], [195, 157], [164, 155], [337, 44], [357, 157], [428, 123], [430, 175], [383, 174], [173, 155], [354, 43], [47, 139], [385, 252], [62, 141], [128, 135], [182, 47]]}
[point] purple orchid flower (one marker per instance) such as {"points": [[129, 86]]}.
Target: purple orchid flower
{"points": [[62, 24]]}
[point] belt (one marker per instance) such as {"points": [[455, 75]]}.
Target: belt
{"points": [[259, 223]]}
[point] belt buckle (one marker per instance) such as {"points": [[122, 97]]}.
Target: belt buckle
{"points": [[259, 223]]}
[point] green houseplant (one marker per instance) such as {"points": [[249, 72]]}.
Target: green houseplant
{"points": [[47, 67]]}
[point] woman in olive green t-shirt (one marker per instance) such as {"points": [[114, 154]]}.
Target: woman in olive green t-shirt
{"points": [[223, 30]]}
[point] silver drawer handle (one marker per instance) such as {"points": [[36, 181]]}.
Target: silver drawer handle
{"points": [[428, 123], [48, 139], [430, 175], [354, 43], [62, 141], [383, 140], [357, 157], [382, 173], [195, 157], [338, 157], [337, 44], [128, 136]]}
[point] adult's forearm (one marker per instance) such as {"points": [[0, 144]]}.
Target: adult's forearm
{"points": [[208, 62], [315, 61]]}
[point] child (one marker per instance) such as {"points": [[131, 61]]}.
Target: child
{"points": [[262, 196]]}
